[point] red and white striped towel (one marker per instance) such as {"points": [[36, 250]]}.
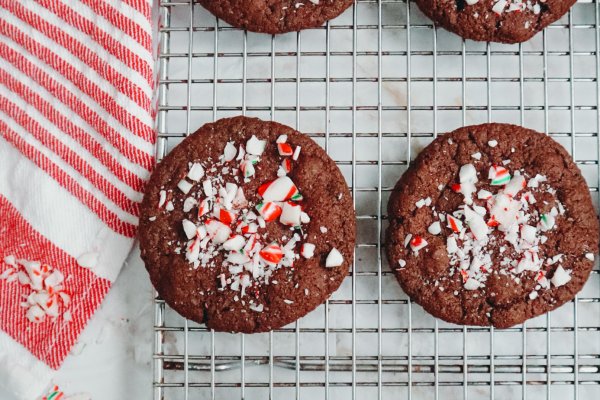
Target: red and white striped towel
{"points": [[77, 136]]}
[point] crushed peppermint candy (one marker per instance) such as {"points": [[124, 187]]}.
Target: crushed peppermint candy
{"points": [[48, 297], [508, 6], [223, 228], [500, 231]]}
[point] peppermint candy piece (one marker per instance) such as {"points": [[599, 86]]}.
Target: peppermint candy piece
{"points": [[204, 208], [281, 139], [451, 245], [162, 198], [272, 254], [499, 175], [468, 173], [247, 168], [476, 224], [471, 284], [217, 231], [184, 186], [290, 214], [196, 172], [417, 243], [560, 277], [255, 146], [528, 234], [189, 228], [35, 314], [189, 203], [281, 189], [284, 149], [547, 222], [225, 216], [192, 252], [334, 259], [230, 152], [269, 210], [307, 250], [454, 223], [235, 243], [435, 228], [286, 165]]}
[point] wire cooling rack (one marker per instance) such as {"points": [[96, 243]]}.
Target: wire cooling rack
{"points": [[373, 87]]}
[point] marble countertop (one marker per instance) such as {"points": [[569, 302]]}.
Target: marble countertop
{"points": [[113, 358]]}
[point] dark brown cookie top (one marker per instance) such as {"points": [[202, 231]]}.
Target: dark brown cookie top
{"points": [[246, 226], [492, 225], [506, 21], [276, 16]]}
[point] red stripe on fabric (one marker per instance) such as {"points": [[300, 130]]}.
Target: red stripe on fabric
{"points": [[105, 100], [123, 23], [65, 125], [110, 44], [68, 156], [50, 341], [59, 91], [79, 50], [142, 6], [111, 219]]}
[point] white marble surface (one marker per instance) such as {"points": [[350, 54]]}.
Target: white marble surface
{"points": [[114, 357]]}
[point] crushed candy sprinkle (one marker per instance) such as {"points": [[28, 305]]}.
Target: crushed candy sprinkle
{"points": [[505, 223], [48, 297]]}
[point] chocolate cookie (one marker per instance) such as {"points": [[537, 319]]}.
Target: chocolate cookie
{"points": [[276, 16], [492, 225], [246, 226], [506, 21]]}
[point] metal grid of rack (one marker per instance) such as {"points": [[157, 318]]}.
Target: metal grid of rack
{"points": [[373, 87]]}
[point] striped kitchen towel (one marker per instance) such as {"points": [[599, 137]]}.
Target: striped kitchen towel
{"points": [[77, 107]]}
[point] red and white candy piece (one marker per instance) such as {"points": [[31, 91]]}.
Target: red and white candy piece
{"points": [[454, 223], [225, 216], [248, 228], [284, 149], [281, 189], [499, 175], [286, 165], [247, 168], [217, 231], [307, 250], [204, 208], [417, 243], [272, 254], [334, 259], [290, 214], [269, 210]]}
